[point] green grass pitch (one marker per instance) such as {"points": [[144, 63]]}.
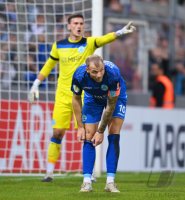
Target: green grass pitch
{"points": [[133, 186]]}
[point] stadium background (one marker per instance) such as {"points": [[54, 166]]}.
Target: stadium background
{"points": [[152, 139]]}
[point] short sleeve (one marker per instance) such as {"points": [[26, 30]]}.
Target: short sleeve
{"points": [[76, 86], [114, 90]]}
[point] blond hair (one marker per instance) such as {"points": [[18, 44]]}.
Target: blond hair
{"points": [[96, 59]]}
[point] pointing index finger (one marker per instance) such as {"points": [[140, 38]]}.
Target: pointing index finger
{"points": [[129, 24]]}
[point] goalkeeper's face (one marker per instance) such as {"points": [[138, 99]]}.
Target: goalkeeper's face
{"points": [[76, 27]]}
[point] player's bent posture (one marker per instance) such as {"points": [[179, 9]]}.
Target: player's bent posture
{"points": [[69, 53], [104, 88]]}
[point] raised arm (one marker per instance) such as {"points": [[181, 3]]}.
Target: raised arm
{"points": [[108, 38]]}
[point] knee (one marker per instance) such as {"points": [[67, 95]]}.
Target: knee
{"points": [[88, 134], [114, 130], [58, 133], [115, 126]]}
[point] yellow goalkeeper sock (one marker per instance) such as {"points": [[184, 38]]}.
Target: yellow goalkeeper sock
{"points": [[54, 150]]}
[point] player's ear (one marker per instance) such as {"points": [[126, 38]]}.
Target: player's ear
{"points": [[87, 69]]}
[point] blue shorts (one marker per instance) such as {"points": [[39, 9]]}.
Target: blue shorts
{"points": [[91, 114]]}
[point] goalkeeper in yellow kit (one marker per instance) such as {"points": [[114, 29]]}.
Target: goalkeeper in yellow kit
{"points": [[69, 53]]}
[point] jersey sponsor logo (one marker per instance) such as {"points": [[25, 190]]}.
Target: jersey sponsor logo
{"points": [[104, 87], [100, 97], [81, 49], [71, 59], [87, 88], [90, 88], [76, 88]]}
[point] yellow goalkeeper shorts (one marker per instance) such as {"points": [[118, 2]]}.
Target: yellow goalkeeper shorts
{"points": [[63, 112]]}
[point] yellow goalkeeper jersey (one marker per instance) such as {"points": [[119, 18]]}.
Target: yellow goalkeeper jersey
{"points": [[70, 55]]}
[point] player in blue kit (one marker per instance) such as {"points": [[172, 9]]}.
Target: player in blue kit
{"points": [[104, 104]]}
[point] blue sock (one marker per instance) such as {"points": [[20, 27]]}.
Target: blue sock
{"points": [[112, 154], [89, 155]]}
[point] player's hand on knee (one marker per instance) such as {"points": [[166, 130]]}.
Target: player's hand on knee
{"points": [[81, 134], [34, 91], [97, 139], [129, 28]]}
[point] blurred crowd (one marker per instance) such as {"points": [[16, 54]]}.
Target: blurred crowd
{"points": [[126, 52], [28, 32], [26, 28], [120, 5], [31, 33]]}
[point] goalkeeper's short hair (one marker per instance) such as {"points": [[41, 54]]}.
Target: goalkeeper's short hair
{"points": [[74, 16]]}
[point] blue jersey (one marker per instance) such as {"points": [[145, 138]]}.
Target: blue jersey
{"points": [[97, 92]]}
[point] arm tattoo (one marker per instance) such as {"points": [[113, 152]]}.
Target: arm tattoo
{"points": [[107, 115]]}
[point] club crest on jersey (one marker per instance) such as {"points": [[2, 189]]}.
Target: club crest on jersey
{"points": [[81, 49], [76, 88], [104, 87], [84, 118]]}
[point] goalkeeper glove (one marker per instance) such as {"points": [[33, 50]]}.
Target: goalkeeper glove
{"points": [[129, 28], [34, 91]]}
